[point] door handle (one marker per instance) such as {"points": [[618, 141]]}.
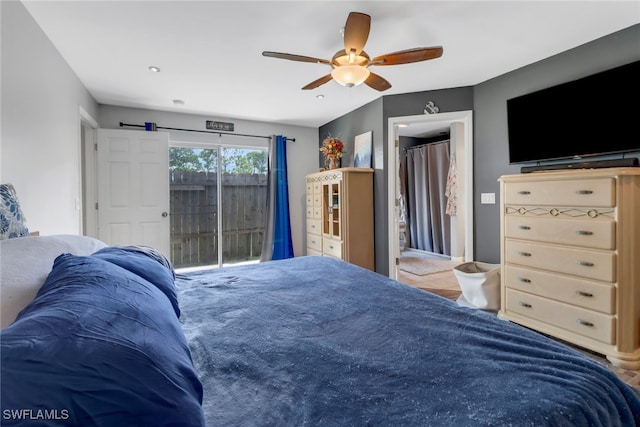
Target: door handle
{"points": [[164, 214]]}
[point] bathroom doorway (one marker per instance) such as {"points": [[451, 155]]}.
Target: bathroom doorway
{"points": [[459, 127]]}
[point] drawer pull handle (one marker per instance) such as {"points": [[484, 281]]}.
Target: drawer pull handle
{"points": [[584, 192], [584, 294], [524, 192], [524, 227], [586, 323], [330, 247], [524, 280], [524, 253], [585, 263], [584, 233], [525, 304]]}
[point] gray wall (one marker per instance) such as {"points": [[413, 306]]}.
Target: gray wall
{"points": [[410, 104], [490, 119], [41, 101], [375, 116], [488, 102], [364, 119]]}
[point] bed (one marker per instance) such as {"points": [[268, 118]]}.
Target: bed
{"points": [[115, 337]]}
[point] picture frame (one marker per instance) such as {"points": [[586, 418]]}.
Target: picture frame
{"points": [[362, 150]]}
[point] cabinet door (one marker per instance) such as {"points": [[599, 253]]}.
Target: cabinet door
{"points": [[332, 206]]}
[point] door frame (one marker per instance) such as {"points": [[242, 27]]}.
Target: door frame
{"points": [[458, 121], [87, 127]]}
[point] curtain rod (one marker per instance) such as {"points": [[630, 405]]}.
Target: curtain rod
{"points": [[150, 126], [428, 143]]}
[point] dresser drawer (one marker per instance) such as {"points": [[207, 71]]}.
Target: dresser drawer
{"points": [[309, 200], [317, 187], [594, 192], [309, 187], [317, 200], [580, 292], [314, 226], [598, 265], [314, 242], [594, 233], [589, 323], [332, 247]]}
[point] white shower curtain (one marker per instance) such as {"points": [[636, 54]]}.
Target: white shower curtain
{"points": [[427, 169]]}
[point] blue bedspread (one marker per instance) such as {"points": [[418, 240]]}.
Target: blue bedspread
{"points": [[318, 342], [101, 345]]}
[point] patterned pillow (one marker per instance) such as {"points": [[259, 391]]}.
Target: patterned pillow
{"points": [[12, 221]]}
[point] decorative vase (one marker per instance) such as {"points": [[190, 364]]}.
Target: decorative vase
{"points": [[333, 163]]}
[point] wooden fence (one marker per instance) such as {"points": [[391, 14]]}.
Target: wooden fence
{"points": [[194, 217]]}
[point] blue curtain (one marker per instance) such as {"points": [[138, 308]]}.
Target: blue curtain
{"points": [[277, 242]]}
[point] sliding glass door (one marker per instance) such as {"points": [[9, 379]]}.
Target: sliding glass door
{"points": [[217, 202], [243, 203]]}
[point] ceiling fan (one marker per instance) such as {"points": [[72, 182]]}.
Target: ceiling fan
{"points": [[351, 65]]}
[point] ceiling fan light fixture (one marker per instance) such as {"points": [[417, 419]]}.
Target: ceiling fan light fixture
{"points": [[350, 75], [350, 65]]}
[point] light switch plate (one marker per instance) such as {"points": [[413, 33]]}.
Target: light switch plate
{"points": [[488, 198]]}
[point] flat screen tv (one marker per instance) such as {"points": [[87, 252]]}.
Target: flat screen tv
{"points": [[595, 115]]}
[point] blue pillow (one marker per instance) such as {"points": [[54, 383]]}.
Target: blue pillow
{"points": [[150, 265], [12, 221], [99, 346]]}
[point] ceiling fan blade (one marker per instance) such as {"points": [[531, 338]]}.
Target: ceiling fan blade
{"points": [[407, 56], [356, 32], [376, 82], [314, 84], [292, 57]]}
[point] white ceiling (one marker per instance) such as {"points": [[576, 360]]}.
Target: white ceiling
{"points": [[210, 57]]}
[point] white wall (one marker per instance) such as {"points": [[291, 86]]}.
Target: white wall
{"points": [[40, 148], [40, 128], [302, 155]]}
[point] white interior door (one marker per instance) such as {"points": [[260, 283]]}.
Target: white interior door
{"points": [[133, 188]]}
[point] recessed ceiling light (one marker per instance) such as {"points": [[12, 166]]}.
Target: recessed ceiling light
{"points": [[402, 125], [154, 69], [178, 102], [319, 96]]}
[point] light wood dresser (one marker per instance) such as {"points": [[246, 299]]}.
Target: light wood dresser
{"points": [[570, 251], [340, 215]]}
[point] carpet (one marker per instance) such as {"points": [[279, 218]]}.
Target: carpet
{"points": [[421, 264]]}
